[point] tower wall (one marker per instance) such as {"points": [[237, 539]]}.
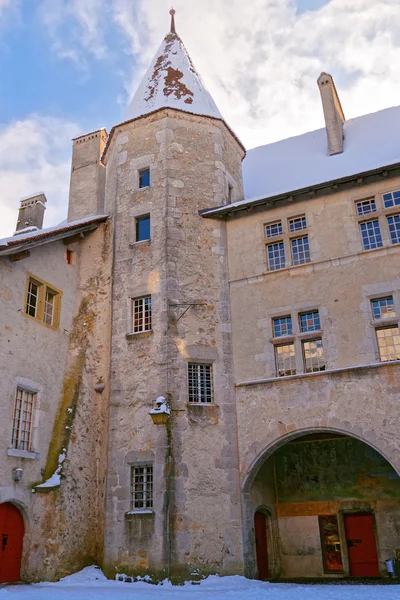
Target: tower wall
{"points": [[196, 524]]}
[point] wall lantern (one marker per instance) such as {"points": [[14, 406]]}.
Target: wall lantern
{"points": [[161, 412]]}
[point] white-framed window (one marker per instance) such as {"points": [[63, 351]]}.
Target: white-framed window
{"points": [[21, 437], [273, 229], [282, 326], [141, 314], [276, 256], [391, 199], [200, 383], [285, 360], [371, 234], [309, 321], [32, 298], [394, 228], [313, 355], [297, 224], [300, 250], [141, 487], [365, 207]]}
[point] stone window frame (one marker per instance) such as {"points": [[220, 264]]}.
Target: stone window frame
{"points": [[31, 387], [384, 322], [140, 173], [201, 363], [287, 237], [44, 288], [298, 337], [138, 218], [380, 214]]}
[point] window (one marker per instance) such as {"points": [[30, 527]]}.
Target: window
{"points": [[364, 207], [313, 356], [70, 256], [32, 300], [309, 321], [388, 343], [282, 326], [276, 256], [142, 487], [383, 308], [200, 383], [21, 438], [394, 228], [42, 302], [371, 234], [285, 360], [391, 199], [143, 228], [142, 314], [300, 250], [144, 178], [297, 223], [273, 229]]}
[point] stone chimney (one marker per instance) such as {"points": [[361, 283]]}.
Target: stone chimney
{"points": [[86, 193], [333, 113], [31, 213]]}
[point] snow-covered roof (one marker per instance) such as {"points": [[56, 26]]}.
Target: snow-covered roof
{"points": [[285, 167], [38, 236], [172, 82]]}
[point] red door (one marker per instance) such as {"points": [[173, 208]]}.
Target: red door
{"points": [[11, 538], [361, 545], [261, 545]]}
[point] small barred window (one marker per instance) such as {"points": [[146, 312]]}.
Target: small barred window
{"points": [[200, 383], [142, 487], [22, 422]]}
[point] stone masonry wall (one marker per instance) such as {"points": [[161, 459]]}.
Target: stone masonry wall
{"points": [[192, 161]]}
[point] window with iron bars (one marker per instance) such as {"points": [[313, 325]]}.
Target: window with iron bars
{"points": [[142, 487], [21, 438], [142, 314], [200, 383]]}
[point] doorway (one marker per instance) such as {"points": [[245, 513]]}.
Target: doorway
{"points": [[11, 540], [361, 545], [260, 530]]}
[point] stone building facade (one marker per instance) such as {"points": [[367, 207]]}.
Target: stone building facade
{"points": [[257, 297]]}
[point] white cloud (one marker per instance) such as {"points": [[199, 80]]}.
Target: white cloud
{"points": [[35, 156]]}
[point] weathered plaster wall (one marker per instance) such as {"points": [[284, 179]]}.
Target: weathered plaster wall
{"points": [[69, 521], [34, 355], [340, 282], [192, 160]]}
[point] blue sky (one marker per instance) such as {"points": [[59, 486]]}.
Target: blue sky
{"points": [[70, 66]]}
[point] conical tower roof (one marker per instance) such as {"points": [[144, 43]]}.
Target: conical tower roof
{"points": [[172, 82]]}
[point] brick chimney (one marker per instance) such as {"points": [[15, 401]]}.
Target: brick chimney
{"points": [[31, 213], [333, 113]]}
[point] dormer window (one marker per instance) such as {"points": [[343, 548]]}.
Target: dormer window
{"points": [[144, 178]]}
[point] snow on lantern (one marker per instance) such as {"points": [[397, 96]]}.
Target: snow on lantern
{"points": [[161, 413]]}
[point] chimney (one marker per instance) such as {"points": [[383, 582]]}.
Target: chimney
{"points": [[86, 192], [31, 213], [333, 113]]}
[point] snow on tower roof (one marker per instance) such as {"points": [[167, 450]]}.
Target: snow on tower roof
{"points": [[172, 82]]}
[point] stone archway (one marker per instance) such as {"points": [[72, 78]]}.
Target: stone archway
{"points": [[300, 498]]}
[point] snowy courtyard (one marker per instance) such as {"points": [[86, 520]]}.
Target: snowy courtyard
{"points": [[91, 584]]}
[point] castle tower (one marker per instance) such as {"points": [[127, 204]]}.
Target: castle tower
{"points": [[173, 490]]}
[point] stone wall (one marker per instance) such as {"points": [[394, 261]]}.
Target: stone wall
{"points": [[192, 162]]}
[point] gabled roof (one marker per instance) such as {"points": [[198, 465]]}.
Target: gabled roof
{"points": [[172, 82], [38, 237], [289, 166]]}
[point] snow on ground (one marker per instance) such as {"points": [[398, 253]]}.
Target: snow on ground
{"points": [[91, 584]]}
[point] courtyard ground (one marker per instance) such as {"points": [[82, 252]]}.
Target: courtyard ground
{"points": [[91, 584]]}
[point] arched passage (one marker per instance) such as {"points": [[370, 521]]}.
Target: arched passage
{"points": [[11, 542], [323, 488]]}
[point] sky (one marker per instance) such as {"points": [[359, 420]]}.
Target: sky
{"points": [[70, 66]]}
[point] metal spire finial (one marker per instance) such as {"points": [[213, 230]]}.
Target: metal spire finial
{"points": [[172, 13]]}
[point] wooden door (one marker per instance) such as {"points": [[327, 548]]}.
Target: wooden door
{"points": [[11, 539], [261, 545], [361, 545]]}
